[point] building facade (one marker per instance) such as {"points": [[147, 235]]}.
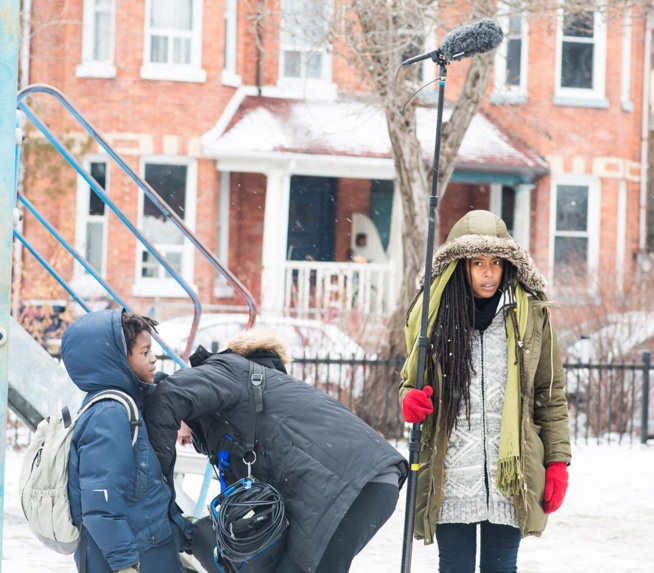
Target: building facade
{"points": [[265, 144]]}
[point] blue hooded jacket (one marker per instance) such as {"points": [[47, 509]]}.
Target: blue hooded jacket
{"points": [[117, 491]]}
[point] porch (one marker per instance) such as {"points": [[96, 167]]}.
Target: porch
{"points": [[311, 286]]}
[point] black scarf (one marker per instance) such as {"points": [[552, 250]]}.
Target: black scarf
{"points": [[483, 310]]}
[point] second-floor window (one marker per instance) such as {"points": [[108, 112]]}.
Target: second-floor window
{"points": [[228, 75], [173, 40], [511, 58], [98, 39], [304, 44], [581, 63]]}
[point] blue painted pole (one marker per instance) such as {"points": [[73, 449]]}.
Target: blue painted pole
{"points": [[9, 27]]}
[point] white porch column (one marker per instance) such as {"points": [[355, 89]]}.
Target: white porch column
{"points": [[522, 214], [275, 238]]}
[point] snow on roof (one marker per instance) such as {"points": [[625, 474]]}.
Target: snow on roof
{"points": [[357, 128]]}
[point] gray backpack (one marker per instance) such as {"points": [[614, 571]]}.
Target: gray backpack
{"points": [[44, 474]]}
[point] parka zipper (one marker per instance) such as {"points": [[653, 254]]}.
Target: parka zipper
{"points": [[483, 421]]}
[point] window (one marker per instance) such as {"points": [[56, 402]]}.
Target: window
{"points": [[511, 58], [173, 41], [581, 59], [304, 41], [98, 40], [91, 227], [503, 204], [575, 234], [381, 208], [229, 75], [174, 181]]}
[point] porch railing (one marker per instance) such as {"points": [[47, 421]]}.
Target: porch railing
{"points": [[310, 285]]}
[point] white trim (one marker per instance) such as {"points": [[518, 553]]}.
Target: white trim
{"points": [[495, 203], [275, 239], [621, 235], [230, 79], [160, 286], [95, 70], [576, 96], [625, 92], [90, 67], [231, 31], [172, 73], [221, 288], [593, 229], [191, 72], [522, 214], [503, 92], [226, 116], [305, 164], [83, 282]]}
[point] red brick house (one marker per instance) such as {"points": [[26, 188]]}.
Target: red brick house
{"points": [[278, 161]]}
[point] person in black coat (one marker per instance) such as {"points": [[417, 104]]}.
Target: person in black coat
{"points": [[338, 477]]}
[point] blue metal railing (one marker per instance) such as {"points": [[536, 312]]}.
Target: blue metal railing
{"points": [[150, 193], [146, 188]]}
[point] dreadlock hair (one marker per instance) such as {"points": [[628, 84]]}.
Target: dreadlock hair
{"points": [[451, 340], [133, 325]]}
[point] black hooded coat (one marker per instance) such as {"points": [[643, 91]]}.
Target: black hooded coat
{"points": [[311, 448]]}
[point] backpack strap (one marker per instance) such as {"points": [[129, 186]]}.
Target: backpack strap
{"points": [[257, 379], [125, 399]]}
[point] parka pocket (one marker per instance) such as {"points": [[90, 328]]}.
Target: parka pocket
{"points": [[140, 470], [534, 464]]}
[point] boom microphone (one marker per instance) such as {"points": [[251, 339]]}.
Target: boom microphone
{"points": [[465, 42]]}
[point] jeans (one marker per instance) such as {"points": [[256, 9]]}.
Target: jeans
{"points": [[457, 547]]}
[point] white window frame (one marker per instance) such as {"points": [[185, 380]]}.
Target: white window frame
{"points": [[228, 75], [592, 233], [309, 85], [503, 92], [192, 72], [580, 97], [83, 282], [162, 286], [90, 66]]}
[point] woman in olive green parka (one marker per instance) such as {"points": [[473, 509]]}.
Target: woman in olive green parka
{"points": [[495, 443]]}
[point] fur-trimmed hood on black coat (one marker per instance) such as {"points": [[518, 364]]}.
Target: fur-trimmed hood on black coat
{"points": [[311, 448]]}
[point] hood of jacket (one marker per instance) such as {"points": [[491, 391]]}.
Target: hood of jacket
{"points": [[481, 233], [94, 352], [262, 346]]}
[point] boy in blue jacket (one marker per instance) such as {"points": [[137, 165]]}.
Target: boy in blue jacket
{"points": [[118, 493]]}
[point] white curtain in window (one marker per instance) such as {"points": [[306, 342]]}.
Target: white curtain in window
{"points": [[172, 15]]}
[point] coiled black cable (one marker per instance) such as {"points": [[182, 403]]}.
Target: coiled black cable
{"points": [[249, 520]]}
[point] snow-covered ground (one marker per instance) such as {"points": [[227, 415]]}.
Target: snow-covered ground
{"points": [[606, 524]]}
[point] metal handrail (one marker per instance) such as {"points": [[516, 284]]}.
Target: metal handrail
{"points": [[147, 189], [112, 291]]}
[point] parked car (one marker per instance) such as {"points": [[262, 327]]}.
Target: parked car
{"points": [[311, 343]]}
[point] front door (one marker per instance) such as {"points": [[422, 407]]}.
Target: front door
{"points": [[311, 219]]}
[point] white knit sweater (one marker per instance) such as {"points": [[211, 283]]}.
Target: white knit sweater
{"points": [[469, 491]]}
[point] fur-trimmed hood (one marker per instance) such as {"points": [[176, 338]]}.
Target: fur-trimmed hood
{"points": [[481, 233], [256, 341]]}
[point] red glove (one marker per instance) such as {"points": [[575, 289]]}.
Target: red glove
{"points": [[556, 484], [417, 404]]}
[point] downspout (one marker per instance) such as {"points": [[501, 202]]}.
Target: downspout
{"points": [[24, 80], [644, 134], [259, 75]]}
